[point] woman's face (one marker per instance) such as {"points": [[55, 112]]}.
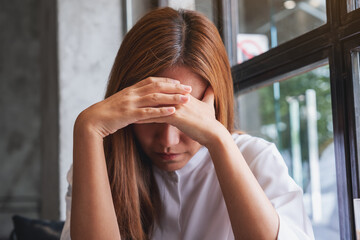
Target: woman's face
{"points": [[167, 147]]}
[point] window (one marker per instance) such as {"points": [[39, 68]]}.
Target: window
{"points": [[296, 56], [206, 7], [300, 43], [265, 24], [356, 83], [298, 118], [352, 5]]}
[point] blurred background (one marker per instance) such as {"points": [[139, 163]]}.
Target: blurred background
{"points": [[55, 58]]}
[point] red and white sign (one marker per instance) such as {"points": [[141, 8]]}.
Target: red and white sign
{"points": [[250, 45]]}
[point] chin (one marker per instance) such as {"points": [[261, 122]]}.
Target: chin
{"points": [[170, 166]]}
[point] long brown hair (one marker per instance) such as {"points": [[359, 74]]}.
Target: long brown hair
{"points": [[161, 39]]}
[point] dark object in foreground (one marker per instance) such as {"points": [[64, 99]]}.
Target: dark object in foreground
{"points": [[35, 229]]}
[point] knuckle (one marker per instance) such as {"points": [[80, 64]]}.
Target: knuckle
{"points": [[151, 79], [171, 80], [144, 112], [163, 111], [148, 80], [178, 86], [129, 96], [158, 85], [154, 97], [128, 93], [125, 102]]}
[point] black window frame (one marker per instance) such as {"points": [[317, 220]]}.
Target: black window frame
{"points": [[332, 42]]}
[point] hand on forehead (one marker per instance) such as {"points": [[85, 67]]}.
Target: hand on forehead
{"points": [[187, 77]]}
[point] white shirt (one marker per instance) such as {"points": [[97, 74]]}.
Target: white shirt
{"points": [[193, 204]]}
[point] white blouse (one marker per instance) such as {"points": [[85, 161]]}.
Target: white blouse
{"points": [[193, 204]]}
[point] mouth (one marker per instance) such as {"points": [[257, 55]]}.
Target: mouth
{"points": [[168, 156]]}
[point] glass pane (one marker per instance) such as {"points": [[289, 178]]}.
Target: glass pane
{"points": [[296, 115], [134, 10], [203, 6], [264, 24], [352, 5], [206, 7], [356, 80]]}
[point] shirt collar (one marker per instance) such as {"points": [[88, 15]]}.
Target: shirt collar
{"points": [[193, 162]]}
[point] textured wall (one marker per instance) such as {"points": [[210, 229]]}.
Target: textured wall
{"points": [[88, 39], [20, 111]]}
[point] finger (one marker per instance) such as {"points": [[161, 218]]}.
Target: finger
{"points": [[150, 80], [152, 120], [149, 112], [158, 99], [209, 95], [163, 87]]}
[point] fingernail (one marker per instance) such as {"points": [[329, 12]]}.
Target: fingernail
{"points": [[184, 98], [187, 88], [171, 109]]}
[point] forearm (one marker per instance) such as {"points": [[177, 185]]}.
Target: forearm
{"points": [[93, 215], [251, 214]]}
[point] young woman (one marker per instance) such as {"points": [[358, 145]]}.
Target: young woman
{"points": [[159, 158]]}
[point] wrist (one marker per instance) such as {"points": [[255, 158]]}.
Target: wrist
{"points": [[85, 127], [218, 137]]}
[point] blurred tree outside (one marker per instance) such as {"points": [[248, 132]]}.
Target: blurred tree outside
{"points": [[295, 87]]}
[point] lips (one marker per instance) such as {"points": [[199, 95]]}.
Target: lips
{"points": [[168, 156]]}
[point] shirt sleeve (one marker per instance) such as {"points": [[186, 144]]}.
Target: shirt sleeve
{"points": [[65, 235], [286, 196]]}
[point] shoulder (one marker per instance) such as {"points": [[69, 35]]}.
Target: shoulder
{"points": [[246, 141], [267, 165], [254, 148]]}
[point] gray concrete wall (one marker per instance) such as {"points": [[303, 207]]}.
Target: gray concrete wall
{"points": [[88, 39], [20, 111]]}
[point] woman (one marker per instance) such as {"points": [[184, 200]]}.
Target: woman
{"points": [[156, 159]]}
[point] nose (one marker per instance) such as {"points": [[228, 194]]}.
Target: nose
{"points": [[168, 135]]}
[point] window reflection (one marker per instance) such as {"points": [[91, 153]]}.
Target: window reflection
{"points": [[353, 5], [356, 84], [297, 116], [206, 7], [275, 22]]}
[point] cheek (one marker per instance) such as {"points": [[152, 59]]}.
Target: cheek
{"points": [[191, 145]]}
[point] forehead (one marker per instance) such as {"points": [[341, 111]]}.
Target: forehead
{"points": [[186, 76]]}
